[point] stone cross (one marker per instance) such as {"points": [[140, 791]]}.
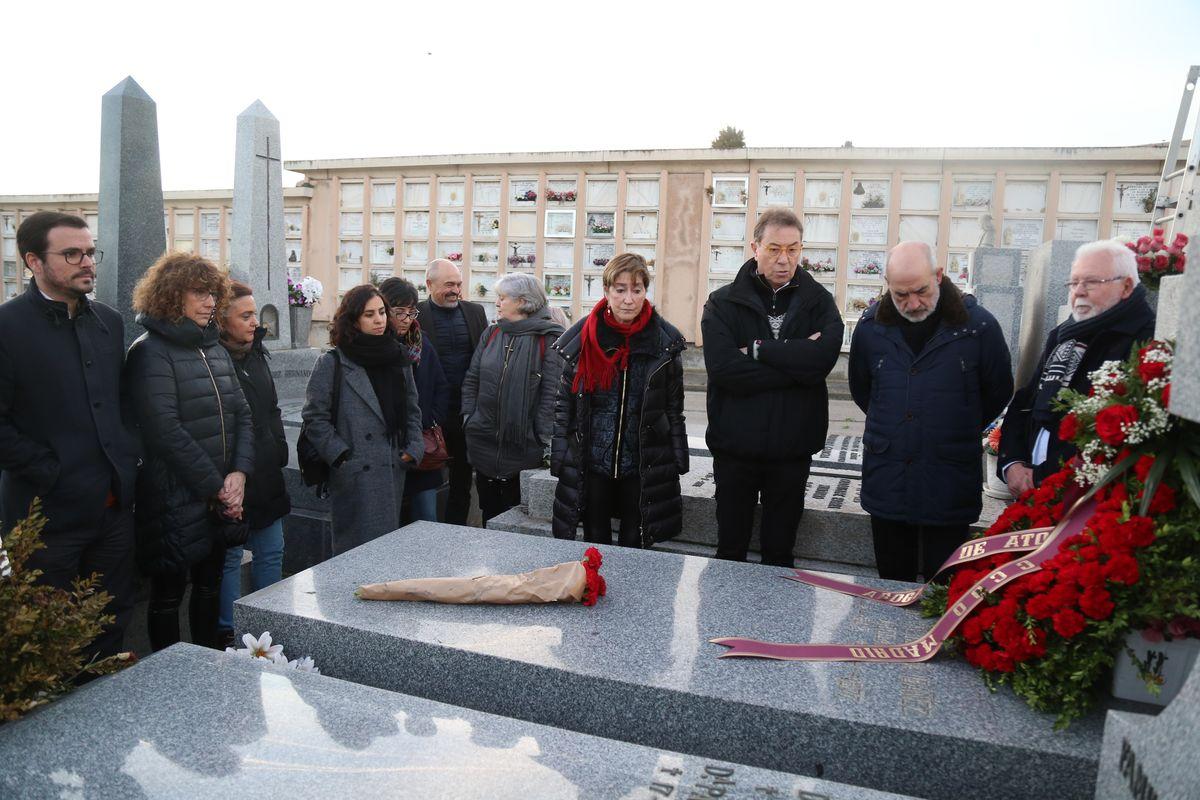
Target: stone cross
{"points": [[257, 252], [132, 233]]}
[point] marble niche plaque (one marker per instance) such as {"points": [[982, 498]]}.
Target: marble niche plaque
{"points": [[725, 259], [601, 224], [776, 192], [596, 256], [821, 228], [729, 192], [485, 253], [482, 284], [728, 227], [416, 253], [971, 195], [867, 263], [641, 663], [560, 224], [558, 286], [383, 223], [1080, 197], [560, 254], [958, 267], [602, 193], [522, 223], [868, 229], [487, 194], [965, 231], [1134, 197], [873, 194], [416, 223], [450, 223], [821, 262], [485, 223], [919, 195], [919, 228], [522, 191], [641, 225], [646, 251], [1025, 197], [1023, 234], [593, 287], [641, 193], [1130, 229], [822, 193], [859, 298], [1076, 230], [416, 194], [383, 195]]}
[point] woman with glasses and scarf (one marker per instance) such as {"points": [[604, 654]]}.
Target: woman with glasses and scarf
{"points": [[620, 443], [376, 438], [433, 392], [198, 439], [508, 393]]}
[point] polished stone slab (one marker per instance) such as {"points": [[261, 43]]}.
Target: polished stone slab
{"points": [[641, 663], [194, 723]]}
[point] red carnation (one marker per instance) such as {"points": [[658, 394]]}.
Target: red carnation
{"points": [[1140, 530], [1163, 501], [1068, 623], [1149, 370], [1122, 568], [1143, 245], [1166, 396], [1068, 427], [1039, 607], [1142, 467], [1111, 421], [1096, 603], [1160, 261], [972, 630]]}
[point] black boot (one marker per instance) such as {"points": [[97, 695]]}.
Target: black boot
{"points": [[162, 622], [204, 610]]}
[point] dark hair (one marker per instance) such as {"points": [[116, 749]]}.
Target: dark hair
{"points": [[780, 218], [238, 290], [161, 290], [398, 292], [344, 325], [34, 234]]}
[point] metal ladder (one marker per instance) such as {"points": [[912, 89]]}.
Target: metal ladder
{"points": [[1179, 213]]}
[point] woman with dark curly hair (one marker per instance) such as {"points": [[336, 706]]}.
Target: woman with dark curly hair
{"points": [[198, 439], [376, 437]]}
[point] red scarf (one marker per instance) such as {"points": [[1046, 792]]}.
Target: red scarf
{"points": [[597, 369]]}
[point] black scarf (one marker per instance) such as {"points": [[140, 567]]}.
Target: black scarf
{"points": [[384, 359], [1074, 337]]}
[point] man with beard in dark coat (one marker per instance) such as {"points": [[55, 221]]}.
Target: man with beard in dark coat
{"points": [[1109, 315], [64, 425], [770, 339]]}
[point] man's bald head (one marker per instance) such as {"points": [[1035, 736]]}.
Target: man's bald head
{"points": [[443, 279], [913, 279]]}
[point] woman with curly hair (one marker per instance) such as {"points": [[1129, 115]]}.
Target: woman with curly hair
{"points": [[198, 441], [376, 437]]}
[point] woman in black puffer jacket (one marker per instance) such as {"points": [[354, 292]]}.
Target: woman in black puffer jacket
{"points": [[197, 437], [620, 443]]}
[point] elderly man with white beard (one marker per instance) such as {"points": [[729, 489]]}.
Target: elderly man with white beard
{"points": [[1109, 316]]}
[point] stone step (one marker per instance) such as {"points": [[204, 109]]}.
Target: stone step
{"points": [[640, 667]]}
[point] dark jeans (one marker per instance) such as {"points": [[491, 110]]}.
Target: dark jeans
{"points": [[106, 549], [902, 550], [458, 497], [166, 595], [613, 497], [497, 495], [739, 483]]}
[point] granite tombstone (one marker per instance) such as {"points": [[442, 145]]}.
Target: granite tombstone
{"points": [[1045, 293], [996, 282]]}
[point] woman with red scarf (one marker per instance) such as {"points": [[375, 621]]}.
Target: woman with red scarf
{"points": [[619, 440]]}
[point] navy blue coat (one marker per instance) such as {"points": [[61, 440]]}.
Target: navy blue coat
{"points": [[433, 394], [926, 413]]}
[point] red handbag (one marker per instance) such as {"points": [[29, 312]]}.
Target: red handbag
{"points": [[436, 454]]}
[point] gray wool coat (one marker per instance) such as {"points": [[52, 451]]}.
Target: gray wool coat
{"points": [[366, 490]]}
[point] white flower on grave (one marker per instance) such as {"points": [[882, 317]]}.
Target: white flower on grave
{"points": [[241, 652], [262, 647], [306, 664]]}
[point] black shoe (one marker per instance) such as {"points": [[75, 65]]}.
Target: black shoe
{"points": [[224, 638]]}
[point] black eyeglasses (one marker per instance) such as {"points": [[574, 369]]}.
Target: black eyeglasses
{"points": [[74, 256], [400, 313]]}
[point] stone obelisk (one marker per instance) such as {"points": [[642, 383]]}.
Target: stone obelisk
{"points": [[257, 253], [132, 234]]}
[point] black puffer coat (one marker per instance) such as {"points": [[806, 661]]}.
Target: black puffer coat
{"points": [[662, 438], [266, 495], [195, 427]]}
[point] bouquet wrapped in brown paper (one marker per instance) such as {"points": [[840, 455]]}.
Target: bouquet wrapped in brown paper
{"points": [[571, 582]]}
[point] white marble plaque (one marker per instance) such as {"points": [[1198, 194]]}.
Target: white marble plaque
{"points": [[522, 223], [522, 191], [776, 192], [487, 193], [958, 267], [596, 256], [600, 224], [646, 251], [211, 249], [717, 283], [602, 193], [921, 228], [350, 224], [1076, 230], [352, 195], [1025, 197], [1079, 197], [726, 259], [416, 223], [379, 274], [641, 225], [350, 252], [728, 227], [820, 228], [1130, 229], [482, 284], [564, 190], [1022, 234], [417, 278], [349, 278], [1134, 197], [819, 261], [185, 224], [873, 194], [485, 253], [560, 254], [416, 253], [210, 223], [641, 193], [560, 224], [866, 263], [965, 231], [558, 286], [8, 225], [450, 223], [182, 245], [292, 254], [858, 298], [485, 223], [383, 223], [593, 287], [822, 193], [382, 252], [451, 251], [868, 229], [972, 195], [920, 195], [293, 222], [451, 194], [416, 194], [383, 195], [729, 192]]}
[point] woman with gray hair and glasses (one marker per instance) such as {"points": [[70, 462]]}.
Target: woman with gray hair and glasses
{"points": [[509, 391]]}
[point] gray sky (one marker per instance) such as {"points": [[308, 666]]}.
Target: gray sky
{"points": [[354, 79]]}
